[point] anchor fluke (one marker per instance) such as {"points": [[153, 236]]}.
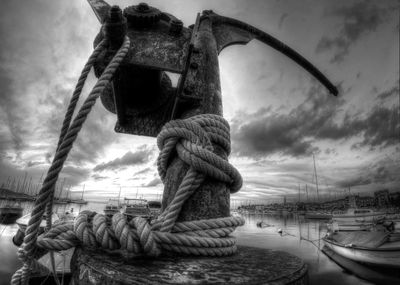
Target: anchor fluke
{"points": [[228, 31]]}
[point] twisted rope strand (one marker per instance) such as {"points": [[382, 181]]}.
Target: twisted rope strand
{"points": [[203, 237], [62, 152], [68, 116]]}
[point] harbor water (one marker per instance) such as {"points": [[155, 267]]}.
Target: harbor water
{"points": [[287, 232]]}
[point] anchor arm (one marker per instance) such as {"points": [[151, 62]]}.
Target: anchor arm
{"points": [[100, 9], [228, 31]]}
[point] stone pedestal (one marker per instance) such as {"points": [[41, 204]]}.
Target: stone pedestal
{"points": [[248, 266]]}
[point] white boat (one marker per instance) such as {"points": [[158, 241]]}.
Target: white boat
{"points": [[136, 207], [355, 216], [372, 248], [155, 208], [111, 208], [335, 226], [23, 222]]}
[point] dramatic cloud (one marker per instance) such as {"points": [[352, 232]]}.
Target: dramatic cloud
{"points": [[46, 43], [358, 19], [141, 156], [153, 183], [389, 93], [267, 132], [378, 173]]}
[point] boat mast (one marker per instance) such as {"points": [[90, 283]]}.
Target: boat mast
{"points": [[24, 183], [299, 192], [119, 194], [316, 178], [83, 191], [307, 192]]}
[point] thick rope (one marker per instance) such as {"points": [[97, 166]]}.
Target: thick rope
{"points": [[31, 233], [203, 237], [68, 115], [193, 140]]}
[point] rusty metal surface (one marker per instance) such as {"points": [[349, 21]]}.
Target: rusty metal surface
{"points": [[100, 9], [249, 266], [157, 48]]}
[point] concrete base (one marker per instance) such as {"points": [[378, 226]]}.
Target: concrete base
{"points": [[249, 266]]}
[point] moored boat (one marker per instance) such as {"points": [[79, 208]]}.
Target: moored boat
{"points": [[155, 208], [111, 208], [22, 224], [10, 213], [79, 202], [136, 208], [374, 274], [372, 248], [335, 226], [354, 215]]}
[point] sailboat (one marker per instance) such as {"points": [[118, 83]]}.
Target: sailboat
{"points": [[12, 210], [320, 215], [80, 201], [113, 206]]}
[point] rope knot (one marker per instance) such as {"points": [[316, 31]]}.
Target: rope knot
{"points": [[192, 140]]}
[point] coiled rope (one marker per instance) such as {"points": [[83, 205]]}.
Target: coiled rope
{"points": [[192, 140]]}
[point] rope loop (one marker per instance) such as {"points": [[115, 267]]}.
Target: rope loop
{"points": [[191, 139]]}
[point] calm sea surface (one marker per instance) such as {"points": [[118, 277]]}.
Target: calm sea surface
{"points": [[296, 237]]}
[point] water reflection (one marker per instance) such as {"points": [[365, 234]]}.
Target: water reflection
{"points": [[299, 237]]}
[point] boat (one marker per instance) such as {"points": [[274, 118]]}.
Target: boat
{"points": [[155, 208], [376, 275], [79, 202], [136, 207], [111, 208], [335, 226], [357, 216], [62, 259], [263, 224], [22, 223], [316, 215], [9, 213], [373, 248]]}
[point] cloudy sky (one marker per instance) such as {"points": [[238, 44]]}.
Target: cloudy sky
{"points": [[279, 115]]}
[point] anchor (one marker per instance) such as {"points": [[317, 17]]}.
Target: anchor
{"points": [[134, 51], [141, 94]]}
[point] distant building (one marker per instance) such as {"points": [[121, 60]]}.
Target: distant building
{"points": [[394, 199], [382, 198], [365, 201], [352, 201]]}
